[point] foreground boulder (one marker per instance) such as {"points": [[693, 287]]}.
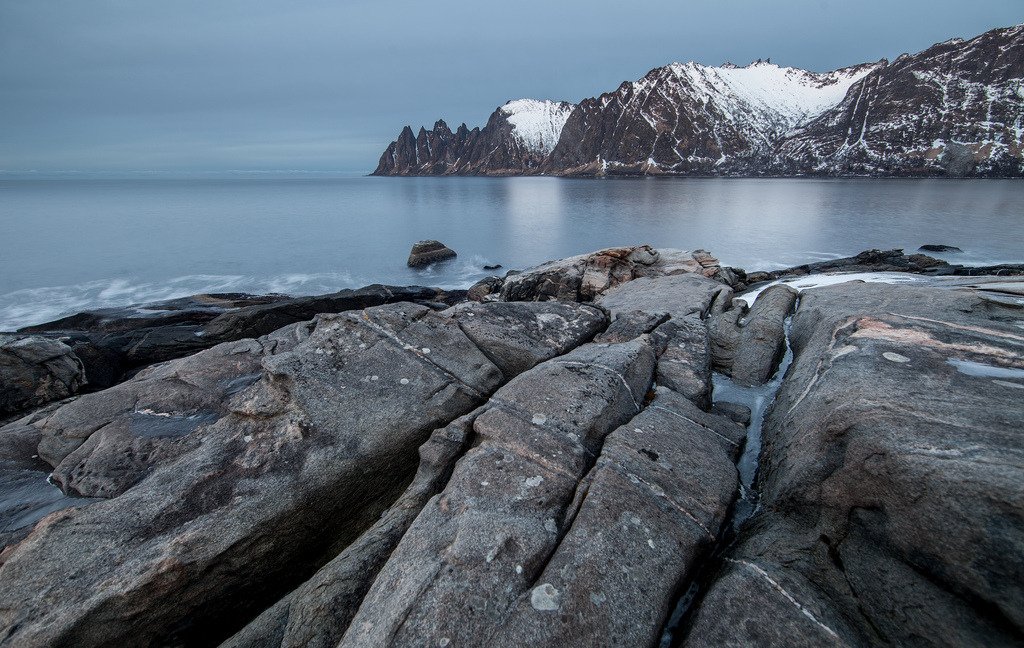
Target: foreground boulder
{"points": [[892, 505], [237, 473], [670, 467], [35, 370], [427, 252]]}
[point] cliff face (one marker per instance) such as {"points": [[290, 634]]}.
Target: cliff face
{"points": [[955, 109]]}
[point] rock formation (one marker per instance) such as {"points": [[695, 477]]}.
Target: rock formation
{"points": [[891, 505], [109, 343]]}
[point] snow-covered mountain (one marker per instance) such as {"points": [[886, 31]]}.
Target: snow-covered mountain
{"points": [[691, 118], [954, 109]]}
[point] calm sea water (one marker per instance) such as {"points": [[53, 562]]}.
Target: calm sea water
{"points": [[69, 244]]}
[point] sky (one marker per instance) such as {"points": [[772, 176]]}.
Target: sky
{"points": [[324, 86]]}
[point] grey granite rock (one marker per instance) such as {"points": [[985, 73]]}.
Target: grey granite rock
{"points": [[643, 520], [35, 370], [479, 547], [762, 339], [516, 336], [257, 495], [892, 509]]}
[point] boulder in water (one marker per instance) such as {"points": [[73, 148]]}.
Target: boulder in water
{"points": [[426, 252]]}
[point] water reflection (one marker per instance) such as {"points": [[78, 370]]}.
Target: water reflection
{"points": [[67, 244]]}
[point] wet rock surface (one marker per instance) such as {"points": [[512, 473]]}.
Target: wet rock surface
{"points": [[557, 465], [762, 339], [424, 253]]}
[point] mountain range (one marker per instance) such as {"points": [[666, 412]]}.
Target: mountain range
{"points": [[955, 109]]}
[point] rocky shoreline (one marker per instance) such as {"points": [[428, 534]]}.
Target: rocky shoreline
{"points": [[571, 454]]}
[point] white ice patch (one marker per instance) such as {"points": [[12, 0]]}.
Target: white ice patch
{"points": [[801, 284], [537, 124], [980, 370]]}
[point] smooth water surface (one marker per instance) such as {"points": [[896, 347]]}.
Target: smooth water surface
{"points": [[69, 244]]}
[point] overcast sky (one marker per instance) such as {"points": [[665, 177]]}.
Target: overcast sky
{"points": [[189, 85]]}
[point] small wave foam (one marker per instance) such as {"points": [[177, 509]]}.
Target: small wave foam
{"points": [[36, 305], [458, 273]]}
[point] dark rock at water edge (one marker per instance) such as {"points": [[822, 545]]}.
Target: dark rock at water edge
{"points": [[427, 252], [887, 261], [931, 247], [35, 370], [112, 342]]}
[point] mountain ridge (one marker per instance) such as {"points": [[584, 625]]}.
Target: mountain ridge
{"points": [[954, 109]]}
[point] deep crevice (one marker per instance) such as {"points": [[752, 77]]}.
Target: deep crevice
{"points": [[760, 399]]}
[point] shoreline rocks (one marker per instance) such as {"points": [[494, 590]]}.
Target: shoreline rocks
{"points": [[112, 343], [545, 461], [888, 261]]}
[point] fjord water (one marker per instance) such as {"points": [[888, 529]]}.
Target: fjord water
{"points": [[69, 244]]}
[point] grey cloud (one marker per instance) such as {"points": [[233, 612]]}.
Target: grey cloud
{"points": [[118, 85]]}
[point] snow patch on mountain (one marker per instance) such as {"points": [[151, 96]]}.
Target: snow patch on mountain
{"points": [[779, 98], [537, 124]]}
